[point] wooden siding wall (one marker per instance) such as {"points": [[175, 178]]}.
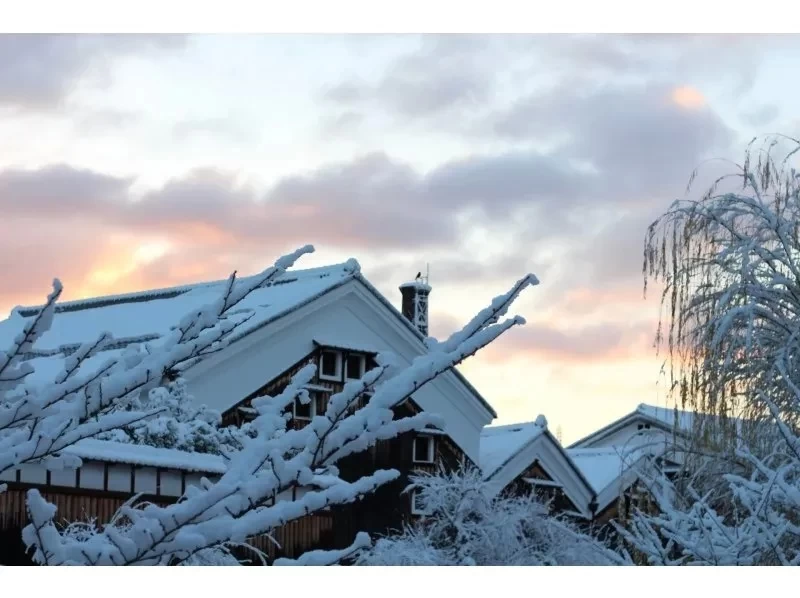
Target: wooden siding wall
{"points": [[378, 513], [84, 505]]}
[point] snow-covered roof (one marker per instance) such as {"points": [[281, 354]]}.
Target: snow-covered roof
{"points": [[150, 315], [602, 466], [500, 443], [135, 454], [671, 419]]}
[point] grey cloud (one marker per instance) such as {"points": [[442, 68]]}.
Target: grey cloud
{"points": [[445, 72], [343, 123], [38, 71], [60, 191], [638, 140], [762, 115]]}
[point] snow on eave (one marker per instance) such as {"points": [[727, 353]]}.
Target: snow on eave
{"points": [[339, 346], [415, 331], [136, 454]]}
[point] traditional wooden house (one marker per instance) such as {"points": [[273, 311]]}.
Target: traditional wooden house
{"points": [[331, 316], [613, 457], [526, 458]]}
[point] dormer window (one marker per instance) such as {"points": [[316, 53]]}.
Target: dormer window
{"points": [[355, 366], [423, 449], [305, 411], [330, 365]]}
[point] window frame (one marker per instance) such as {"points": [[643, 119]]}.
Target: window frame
{"points": [[337, 375], [362, 367], [431, 452], [312, 407]]}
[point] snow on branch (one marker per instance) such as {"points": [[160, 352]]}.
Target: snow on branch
{"points": [[37, 420]]}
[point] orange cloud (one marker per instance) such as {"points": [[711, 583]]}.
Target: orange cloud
{"points": [[688, 97]]}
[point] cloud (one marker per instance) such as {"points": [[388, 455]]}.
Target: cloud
{"points": [[214, 128], [39, 71], [60, 191], [638, 139], [761, 116], [608, 341], [445, 72]]}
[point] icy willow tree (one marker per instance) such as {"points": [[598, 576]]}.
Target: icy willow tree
{"points": [[40, 418], [730, 265], [467, 524]]}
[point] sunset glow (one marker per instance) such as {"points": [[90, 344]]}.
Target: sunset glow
{"points": [[486, 157]]}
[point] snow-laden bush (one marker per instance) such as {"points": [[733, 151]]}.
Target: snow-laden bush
{"points": [[466, 524], [183, 424]]}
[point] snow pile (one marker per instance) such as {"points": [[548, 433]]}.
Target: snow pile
{"points": [[116, 452]]}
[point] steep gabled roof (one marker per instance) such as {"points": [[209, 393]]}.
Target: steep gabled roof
{"points": [[500, 444], [508, 451], [150, 315], [667, 419], [610, 470], [680, 423]]}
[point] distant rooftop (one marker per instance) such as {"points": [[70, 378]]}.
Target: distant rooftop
{"points": [[500, 443]]}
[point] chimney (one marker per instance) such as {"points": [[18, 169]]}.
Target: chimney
{"points": [[415, 302]]}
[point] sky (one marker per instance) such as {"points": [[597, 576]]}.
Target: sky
{"points": [[142, 161]]}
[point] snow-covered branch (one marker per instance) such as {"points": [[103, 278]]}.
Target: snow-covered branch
{"points": [[39, 418]]}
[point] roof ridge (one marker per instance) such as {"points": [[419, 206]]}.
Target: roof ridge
{"points": [[504, 427]]}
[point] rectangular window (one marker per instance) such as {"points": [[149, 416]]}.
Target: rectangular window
{"points": [[330, 365], [423, 449], [306, 411], [354, 367]]}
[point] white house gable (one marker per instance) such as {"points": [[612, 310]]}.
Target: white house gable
{"points": [[348, 316]]}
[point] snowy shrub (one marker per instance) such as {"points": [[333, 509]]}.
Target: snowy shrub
{"points": [[466, 524], [182, 425]]}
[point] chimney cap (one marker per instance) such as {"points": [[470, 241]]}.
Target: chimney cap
{"points": [[416, 284]]}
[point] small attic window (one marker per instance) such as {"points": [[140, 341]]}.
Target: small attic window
{"points": [[330, 365], [355, 366], [423, 449], [644, 427], [307, 411]]}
